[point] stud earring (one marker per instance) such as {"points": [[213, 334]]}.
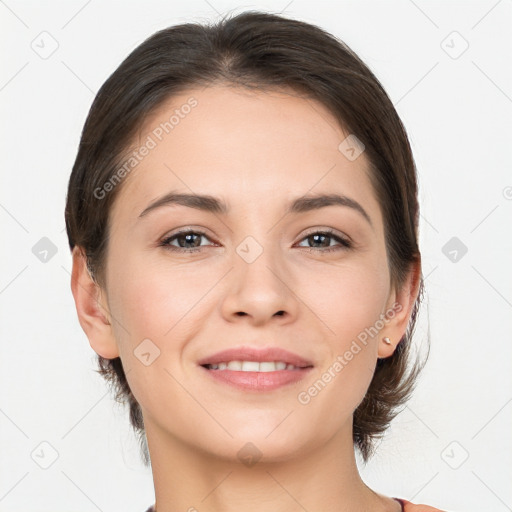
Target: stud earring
{"points": [[387, 341]]}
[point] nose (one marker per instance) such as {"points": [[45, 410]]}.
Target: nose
{"points": [[259, 290]]}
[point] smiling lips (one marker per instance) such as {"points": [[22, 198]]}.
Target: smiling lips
{"points": [[256, 369]]}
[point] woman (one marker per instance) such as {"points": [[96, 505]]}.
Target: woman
{"points": [[243, 220]]}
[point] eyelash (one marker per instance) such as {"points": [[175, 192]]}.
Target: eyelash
{"points": [[344, 242]]}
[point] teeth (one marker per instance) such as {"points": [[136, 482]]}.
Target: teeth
{"points": [[267, 366], [252, 366]]}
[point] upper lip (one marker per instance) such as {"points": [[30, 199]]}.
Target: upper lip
{"points": [[256, 354]]}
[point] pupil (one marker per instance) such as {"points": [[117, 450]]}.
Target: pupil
{"points": [[187, 238], [315, 237]]}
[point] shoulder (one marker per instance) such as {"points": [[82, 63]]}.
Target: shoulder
{"points": [[412, 507]]}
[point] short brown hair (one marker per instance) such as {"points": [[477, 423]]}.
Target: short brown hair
{"points": [[255, 50]]}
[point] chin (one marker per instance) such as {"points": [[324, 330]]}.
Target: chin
{"points": [[252, 444]]}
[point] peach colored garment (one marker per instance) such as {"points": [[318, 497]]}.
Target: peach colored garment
{"points": [[407, 506]]}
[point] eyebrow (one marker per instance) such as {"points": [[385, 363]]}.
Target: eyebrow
{"points": [[213, 204]]}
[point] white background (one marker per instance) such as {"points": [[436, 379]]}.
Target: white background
{"points": [[458, 115]]}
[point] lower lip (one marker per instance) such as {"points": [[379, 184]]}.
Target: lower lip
{"points": [[258, 381]]}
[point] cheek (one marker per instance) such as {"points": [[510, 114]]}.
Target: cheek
{"points": [[155, 302], [349, 302], [347, 299], [154, 299]]}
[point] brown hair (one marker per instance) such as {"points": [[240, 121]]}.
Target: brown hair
{"points": [[255, 50]]}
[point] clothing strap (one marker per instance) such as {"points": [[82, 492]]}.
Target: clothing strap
{"points": [[396, 499]]}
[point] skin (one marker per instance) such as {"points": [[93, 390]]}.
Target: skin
{"points": [[257, 151]]}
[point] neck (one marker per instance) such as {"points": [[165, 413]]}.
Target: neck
{"points": [[326, 478]]}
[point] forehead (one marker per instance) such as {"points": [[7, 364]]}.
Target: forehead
{"points": [[248, 146]]}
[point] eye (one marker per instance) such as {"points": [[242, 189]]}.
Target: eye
{"points": [[324, 238], [190, 241], [187, 240]]}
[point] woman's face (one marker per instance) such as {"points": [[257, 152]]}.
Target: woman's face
{"points": [[261, 277]]}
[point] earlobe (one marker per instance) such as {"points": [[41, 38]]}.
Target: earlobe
{"points": [[387, 347], [93, 314], [401, 308]]}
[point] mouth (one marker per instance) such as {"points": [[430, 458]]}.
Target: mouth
{"points": [[256, 369]]}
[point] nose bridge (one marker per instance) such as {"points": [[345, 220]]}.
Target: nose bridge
{"points": [[259, 279], [259, 263], [259, 248]]}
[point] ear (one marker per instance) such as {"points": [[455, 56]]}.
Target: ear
{"points": [[92, 309], [399, 309]]}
